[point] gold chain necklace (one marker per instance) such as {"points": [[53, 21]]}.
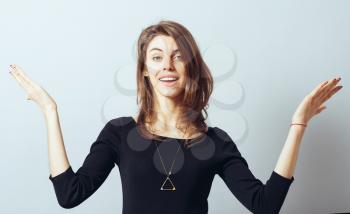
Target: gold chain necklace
{"points": [[172, 188]]}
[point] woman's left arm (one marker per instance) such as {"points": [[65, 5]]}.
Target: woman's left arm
{"points": [[311, 105]]}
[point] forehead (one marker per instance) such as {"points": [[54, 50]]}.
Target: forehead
{"points": [[164, 43]]}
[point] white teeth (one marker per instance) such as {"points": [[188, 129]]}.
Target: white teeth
{"points": [[168, 78]]}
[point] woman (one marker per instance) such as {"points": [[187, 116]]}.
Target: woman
{"points": [[167, 155]]}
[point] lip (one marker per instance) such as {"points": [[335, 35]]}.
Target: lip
{"points": [[169, 75], [168, 83]]}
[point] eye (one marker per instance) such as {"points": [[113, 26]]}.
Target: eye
{"points": [[156, 58], [178, 57]]}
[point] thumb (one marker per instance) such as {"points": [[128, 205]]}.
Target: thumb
{"points": [[321, 109]]}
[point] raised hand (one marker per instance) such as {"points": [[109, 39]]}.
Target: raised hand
{"points": [[313, 103], [34, 91]]}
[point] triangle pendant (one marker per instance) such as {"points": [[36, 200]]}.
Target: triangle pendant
{"points": [[168, 185]]}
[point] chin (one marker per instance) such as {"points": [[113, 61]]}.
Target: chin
{"points": [[170, 93]]}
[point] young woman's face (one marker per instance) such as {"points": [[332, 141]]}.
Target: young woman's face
{"points": [[164, 59]]}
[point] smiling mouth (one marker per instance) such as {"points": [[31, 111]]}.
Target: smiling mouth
{"points": [[168, 82]]}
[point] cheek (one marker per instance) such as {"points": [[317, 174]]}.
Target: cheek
{"points": [[153, 68], [154, 81], [180, 67], [153, 74], [181, 71]]}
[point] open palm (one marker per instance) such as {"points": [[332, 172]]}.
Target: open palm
{"points": [[313, 103], [34, 91]]}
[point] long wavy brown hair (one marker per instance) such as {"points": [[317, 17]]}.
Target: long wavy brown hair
{"points": [[198, 86]]}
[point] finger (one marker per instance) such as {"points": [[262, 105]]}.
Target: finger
{"points": [[19, 71], [331, 84], [26, 83], [23, 83], [19, 79], [331, 93], [318, 88], [321, 89]]}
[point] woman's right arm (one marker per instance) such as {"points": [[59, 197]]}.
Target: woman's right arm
{"points": [[58, 160], [72, 188]]}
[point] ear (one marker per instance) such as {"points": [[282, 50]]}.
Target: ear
{"points": [[145, 73]]}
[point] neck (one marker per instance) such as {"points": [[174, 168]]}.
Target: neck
{"points": [[168, 112]]}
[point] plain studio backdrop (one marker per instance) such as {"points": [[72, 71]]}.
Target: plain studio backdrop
{"points": [[265, 57]]}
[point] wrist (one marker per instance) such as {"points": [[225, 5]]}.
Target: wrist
{"points": [[301, 120], [301, 124], [52, 110]]}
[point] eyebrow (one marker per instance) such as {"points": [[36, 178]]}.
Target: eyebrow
{"points": [[157, 49]]}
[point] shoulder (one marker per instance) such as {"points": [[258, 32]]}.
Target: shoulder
{"points": [[223, 141], [221, 135], [227, 147], [116, 126], [115, 129], [120, 122]]}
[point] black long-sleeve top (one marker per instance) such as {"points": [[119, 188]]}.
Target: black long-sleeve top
{"points": [[142, 173]]}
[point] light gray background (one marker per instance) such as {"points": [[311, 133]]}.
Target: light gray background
{"points": [[279, 51]]}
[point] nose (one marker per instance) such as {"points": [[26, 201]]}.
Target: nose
{"points": [[168, 65]]}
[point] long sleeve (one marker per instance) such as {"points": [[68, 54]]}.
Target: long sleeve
{"points": [[73, 188], [250, 191]]}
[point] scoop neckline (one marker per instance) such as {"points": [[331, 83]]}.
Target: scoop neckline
{"points": [[172, 138]]}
